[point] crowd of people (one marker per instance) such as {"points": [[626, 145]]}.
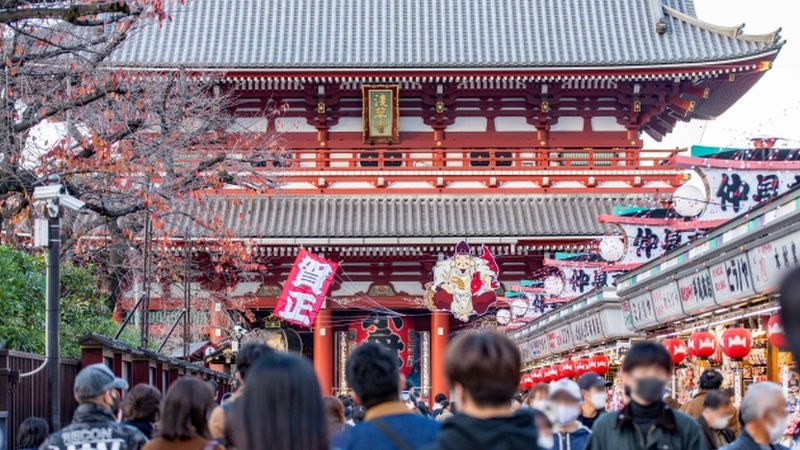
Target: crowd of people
{"points": [[279, 407]]}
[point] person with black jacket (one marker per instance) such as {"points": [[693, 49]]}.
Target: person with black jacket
{"points": [[141, 408], [646, 423], [717, 412], [483, 368], [93, 425]]}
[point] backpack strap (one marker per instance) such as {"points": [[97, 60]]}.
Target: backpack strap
{"points": [[387, 431]]}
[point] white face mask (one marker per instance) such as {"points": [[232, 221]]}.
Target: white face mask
{"points": [[566, 414], [546, 442], [598, 400], [541, 405], [776, 431], [720, 423]]}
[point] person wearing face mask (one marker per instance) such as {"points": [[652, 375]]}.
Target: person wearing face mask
{"points": [[544, 429], [717, 412], [646, 422], [537, 397], [594, 393], [710, 380], [565, 396], [763, 413]]}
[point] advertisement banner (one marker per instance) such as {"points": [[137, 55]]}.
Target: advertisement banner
{"points": [[697, 292], [305, 290]]}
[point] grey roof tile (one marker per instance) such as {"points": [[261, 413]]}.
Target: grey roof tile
{"points": [[429, 34], [334, 216]]}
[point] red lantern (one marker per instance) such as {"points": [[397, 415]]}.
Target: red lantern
{"points": [[378, 328], [545, 371], [581, 366], [676, 348], [526, 382], [552, 372], [567, 369], [702, 344], [556, 372], [775, 332], [736, 343], [600, 363], [536, 376]]}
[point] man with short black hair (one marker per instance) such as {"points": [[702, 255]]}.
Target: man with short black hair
{"points": [[646, 422], [594, 393], [374, 375], [764, 416], [710, 380], [248, 355], [438, 401], [483, 369], [717, 412], [93, 425]]}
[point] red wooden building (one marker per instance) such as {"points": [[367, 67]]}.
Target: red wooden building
{"points": [[510, 123]]}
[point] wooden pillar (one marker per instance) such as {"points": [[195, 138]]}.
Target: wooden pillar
{"points": [[440, 337], [323, 350]]}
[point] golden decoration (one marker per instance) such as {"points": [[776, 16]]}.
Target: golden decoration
{"points": [[637, 106], [439, 107], [321, 108], [545, 107]]}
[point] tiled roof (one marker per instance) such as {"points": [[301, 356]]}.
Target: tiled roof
{"points": [[430, 34], [333, 216]]}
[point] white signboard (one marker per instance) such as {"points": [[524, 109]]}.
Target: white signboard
{"points": [[539, 347], [732, 280], [697, 292], [647, 242], [667, 302], [560, 339], [643, 313], [588, 329], [771, 261], [736, 191]]}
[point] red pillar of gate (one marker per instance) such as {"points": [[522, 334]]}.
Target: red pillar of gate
{"points": [[440, 337], [323, 350]]}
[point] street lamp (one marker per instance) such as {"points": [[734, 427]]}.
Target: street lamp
{"points": [[47, 233]]}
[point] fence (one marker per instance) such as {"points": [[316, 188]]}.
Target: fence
{"points": [[21, 398], [28, 396]]}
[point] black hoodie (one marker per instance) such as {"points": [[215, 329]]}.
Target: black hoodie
{"points": [[504, 433]]}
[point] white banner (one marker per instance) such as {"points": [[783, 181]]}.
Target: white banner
{"points": [[772, 260], [667, 302], [647, 242], [697, 292], [736, 191], [732, 280]]}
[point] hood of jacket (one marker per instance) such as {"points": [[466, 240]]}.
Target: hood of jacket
{"points": [[462, 432], [575, 440]]}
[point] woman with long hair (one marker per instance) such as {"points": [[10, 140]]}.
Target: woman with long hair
{"points": [[184, 417], [32, 432], [334, 412], [282, 408]]}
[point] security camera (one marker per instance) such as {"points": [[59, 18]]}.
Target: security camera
{"points": [[71, 202], [50, 192]]}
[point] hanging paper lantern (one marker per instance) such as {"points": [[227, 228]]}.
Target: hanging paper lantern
{"points": [[581, 366], [554, 285], [611, 248], [676, 348], [736, 343], [600, 364], [557, 372], [526, 382], [544, 374], [702, 344], [775, 332], [567, 369], [689, 200], [503, 316], [536, 376], [519, 307]]}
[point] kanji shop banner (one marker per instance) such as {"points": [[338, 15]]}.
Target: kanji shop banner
{"points": [[733, 192], [464, 285], [393, 332], [305, 289], [647, 242]]}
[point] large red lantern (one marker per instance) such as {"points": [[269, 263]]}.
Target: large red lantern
{"points": [[775, 332], [395, 332], [545, 371], [736, 343], [598, 364], [567, 369], [676, 348], [552, 372], [581, 366], [526, 382], [536, 376], [702, 344], [557, 372]]}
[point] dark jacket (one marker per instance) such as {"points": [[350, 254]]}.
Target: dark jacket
{"points": [[462, 432], [671, 431], [745, 442], [145, 427], [694, 408], [576, 440], [710, 434], [412, 429], [94, 427]]}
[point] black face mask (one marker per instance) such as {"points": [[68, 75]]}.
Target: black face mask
{"points": [[650, 390]]}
